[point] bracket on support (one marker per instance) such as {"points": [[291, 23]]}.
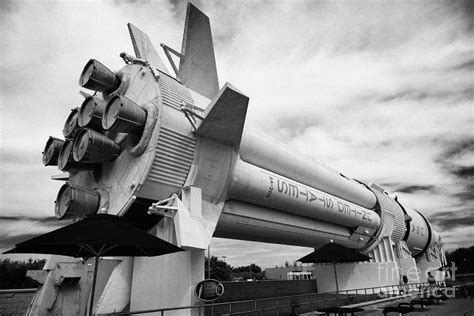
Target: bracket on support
{"points": [[129, 59], [164, 207], [169, 50], [61, 177], [190, 114], [192, 229]]}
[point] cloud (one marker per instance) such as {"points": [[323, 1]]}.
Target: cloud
{"points": [[464, 172], [412, 188], [263, 254], [7, 6], [7, 241], [450, 221], [466, 66], [457, 149], [15, 229], [452, 241], [379, 91], [457, 161]]}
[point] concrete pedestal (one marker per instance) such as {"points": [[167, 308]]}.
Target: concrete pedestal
{"points": [[356, 275], [409, 269], [168, 280], [426, 266]]}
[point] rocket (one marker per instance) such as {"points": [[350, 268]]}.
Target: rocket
{"points": [[146, 139], [147, 144], [170, 152]]}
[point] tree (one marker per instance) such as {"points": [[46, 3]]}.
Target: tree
{"points": [[13, 273], [251, 271], [464, 259], [220, 270]]}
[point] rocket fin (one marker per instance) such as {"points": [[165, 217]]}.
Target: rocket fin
{"points": [[197, 69], [224, 118], [144, 49]]}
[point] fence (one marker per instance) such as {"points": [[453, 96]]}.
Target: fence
{"points": [[290, 305]]}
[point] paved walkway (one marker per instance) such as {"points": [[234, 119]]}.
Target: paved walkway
{"points": [[15, 302], [454, 307]]}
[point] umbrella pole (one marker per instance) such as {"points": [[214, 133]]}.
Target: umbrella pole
{"points": [[94, 279], [337, 286]]}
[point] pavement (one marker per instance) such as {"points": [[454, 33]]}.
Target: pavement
{"points": [[15, 302], [451, 307]]}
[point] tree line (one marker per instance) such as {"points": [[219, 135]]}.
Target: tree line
{"points": [[222, 271], [464, 259], [13, 273]]}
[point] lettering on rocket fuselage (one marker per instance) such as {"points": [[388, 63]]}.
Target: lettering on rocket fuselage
{"points": [[293, 190], [417, 229], [270, 189], [290, 189]]}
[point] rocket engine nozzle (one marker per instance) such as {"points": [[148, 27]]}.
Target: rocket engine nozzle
{"points": [[92, 147], [71, 126], [66, 160], [51, 151], [122, 115], [74, 202], [91, 112], [95, 76]]}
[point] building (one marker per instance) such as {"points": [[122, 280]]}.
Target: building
{"points": [[289, 273]]}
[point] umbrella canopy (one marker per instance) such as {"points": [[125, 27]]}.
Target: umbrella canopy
{"points": [[96, 236], [334, 253]]}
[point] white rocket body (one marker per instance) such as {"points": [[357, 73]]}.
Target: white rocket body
{"points": [[185, 167]]}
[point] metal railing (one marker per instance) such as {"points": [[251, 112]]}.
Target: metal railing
{"points": [[7, 291], [294, 303]]}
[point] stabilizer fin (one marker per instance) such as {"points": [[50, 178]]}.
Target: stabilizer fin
{"points": [[197, 69], [144, 49], [224, 118]]}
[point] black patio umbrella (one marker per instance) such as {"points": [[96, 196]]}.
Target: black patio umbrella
{"points": [[334, 253], [97, 236]]}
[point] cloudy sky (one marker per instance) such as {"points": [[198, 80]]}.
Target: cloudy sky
{"points": [[382, 91]]}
